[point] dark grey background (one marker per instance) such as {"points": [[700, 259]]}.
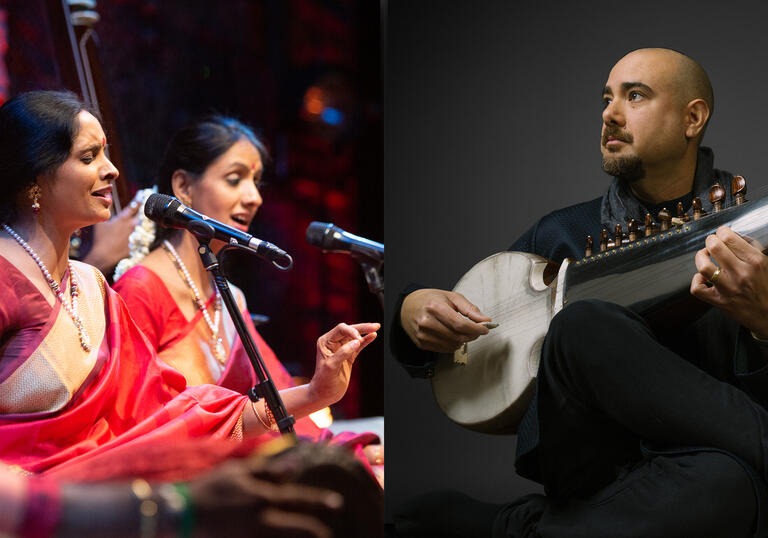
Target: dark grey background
{"points": [[492, 119]]}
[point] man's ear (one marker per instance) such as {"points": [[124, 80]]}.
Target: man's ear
{"points": [[696, 116], [181, 184]]}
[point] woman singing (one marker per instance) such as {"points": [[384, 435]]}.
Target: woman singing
{"points": [[77, 377], [214, 166]]}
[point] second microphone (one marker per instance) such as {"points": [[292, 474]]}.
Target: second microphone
{"points": [[169, 212]]}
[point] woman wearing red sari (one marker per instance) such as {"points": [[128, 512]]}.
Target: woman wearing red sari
{"points": [[213, 166], [78, 379]]}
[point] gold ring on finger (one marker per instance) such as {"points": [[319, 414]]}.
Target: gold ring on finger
{"points": [[714, 276]]}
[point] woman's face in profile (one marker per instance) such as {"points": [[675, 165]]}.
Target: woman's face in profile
{"points": [[79, 192], [228, 189]]}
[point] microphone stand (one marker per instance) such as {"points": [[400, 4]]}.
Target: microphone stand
{"points": [[264, 387], [373, 276]]}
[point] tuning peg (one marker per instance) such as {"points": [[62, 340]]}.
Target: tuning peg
{"points": [[633, 230], [604, 240], [716, 197], [617, 235], [739, 189], [664, 218], [682, 216], [624, 239], [588, 248], [698, 212], [648, 225]]}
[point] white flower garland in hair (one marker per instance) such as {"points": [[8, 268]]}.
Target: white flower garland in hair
{"points": [[141, 237]]}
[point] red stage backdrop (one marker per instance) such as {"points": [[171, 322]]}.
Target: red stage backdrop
{"points": [[305, 74]]}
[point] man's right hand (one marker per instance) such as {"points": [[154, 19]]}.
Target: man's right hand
{"points": [[439, 320]]}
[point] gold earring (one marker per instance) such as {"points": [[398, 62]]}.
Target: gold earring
{"points": [[186, 200], [34, 195]]}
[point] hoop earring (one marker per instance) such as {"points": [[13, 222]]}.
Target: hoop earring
{"points": [[34, 195]]}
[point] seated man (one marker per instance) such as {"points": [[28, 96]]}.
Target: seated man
{"points": [[641, 434]]}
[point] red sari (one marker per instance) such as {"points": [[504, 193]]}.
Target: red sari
{"points": [[184, 345], [62, 407]]}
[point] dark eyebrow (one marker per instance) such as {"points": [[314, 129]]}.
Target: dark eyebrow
{"points": [[95, 148], [626, 86]]}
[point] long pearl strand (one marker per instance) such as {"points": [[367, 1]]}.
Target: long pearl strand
{"points": [[216, 342], [71, 309]]}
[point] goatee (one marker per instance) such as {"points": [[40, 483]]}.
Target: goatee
{"points": [[626, 168]]}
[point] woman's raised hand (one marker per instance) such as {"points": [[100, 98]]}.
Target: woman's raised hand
{"points": [[336, 353]]}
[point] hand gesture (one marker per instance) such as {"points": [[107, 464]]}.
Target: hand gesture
{"points": [[336, 353], [439, 320], [737, 281]]}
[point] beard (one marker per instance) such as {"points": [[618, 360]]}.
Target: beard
{"points": [[628, 168]]}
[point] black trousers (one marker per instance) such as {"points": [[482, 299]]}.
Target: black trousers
{"points": [[636, 440]]}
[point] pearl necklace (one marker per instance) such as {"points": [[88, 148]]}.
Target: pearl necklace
{"points": [[216, 342], [71, 309]]}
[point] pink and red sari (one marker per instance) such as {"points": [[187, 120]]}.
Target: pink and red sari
{"points": [[63, 408], [185, 346]]}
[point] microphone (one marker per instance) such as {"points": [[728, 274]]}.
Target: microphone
{"points": [[170, 213], [330, 237]]}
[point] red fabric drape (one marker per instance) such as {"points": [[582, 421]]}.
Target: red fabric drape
{"points": [[132, 403]]}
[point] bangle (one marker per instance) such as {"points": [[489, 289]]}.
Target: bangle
{"points": [[269, 424], [271, 419], [43, 509], [147, 508]]}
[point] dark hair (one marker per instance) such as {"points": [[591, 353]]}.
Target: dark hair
{"points": [[37, 130], [195, 147]]}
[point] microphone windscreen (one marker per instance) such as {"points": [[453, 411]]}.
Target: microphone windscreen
{"points": [[156, 204], [318, 234]]}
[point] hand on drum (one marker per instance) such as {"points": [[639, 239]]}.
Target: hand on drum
{"points": [[442, 321], [737, 281], [336, 353], [238, 499]]}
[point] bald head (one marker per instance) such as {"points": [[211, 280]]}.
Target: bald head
{"points": [[657, 103], [686, 76]]}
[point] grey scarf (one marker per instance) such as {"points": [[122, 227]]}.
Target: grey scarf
{"points": [[619, 205]]}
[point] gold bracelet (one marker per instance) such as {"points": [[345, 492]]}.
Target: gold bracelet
{"points": [[270, 418], [147, 508]]}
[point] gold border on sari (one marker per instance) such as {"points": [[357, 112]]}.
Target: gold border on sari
{"points": [[56, 370]]}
